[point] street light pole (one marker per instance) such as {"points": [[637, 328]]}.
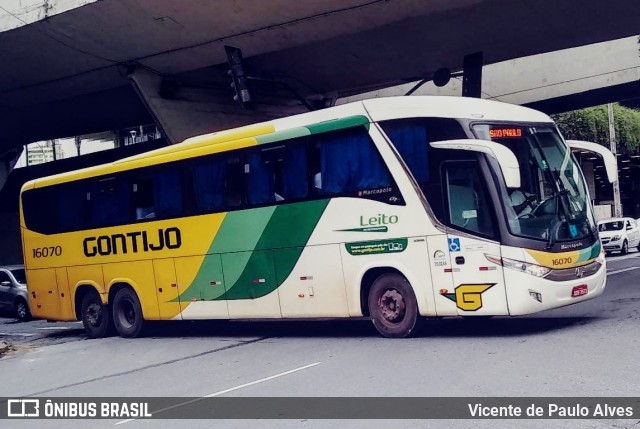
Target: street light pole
{"points": [[617, 204]]}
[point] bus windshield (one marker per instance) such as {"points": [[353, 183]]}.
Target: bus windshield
{"points": [[552, 202]]}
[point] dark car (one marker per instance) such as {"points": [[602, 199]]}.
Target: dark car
{"points": [[13, 291]]}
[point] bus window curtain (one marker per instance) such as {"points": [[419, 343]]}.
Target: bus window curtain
{"points": [[70, 204], [110, 203], [167, 194], [411, 142], [294, 173], [351, 162], [260, 186], [208, 184]]}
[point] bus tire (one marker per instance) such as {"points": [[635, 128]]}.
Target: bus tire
{"points": [[95, 315], [393, 306], [127, 313]]}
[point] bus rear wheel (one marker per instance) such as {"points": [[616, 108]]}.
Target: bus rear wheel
{"points": [[95, 315], [392, 306], [127, 313]]}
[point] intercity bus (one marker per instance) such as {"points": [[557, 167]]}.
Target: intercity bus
{"points": [[390, 208]]}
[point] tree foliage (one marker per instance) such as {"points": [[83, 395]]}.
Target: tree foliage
{"points": [[592, 124]]}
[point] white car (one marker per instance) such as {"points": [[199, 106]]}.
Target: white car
{"points": [[619, 234]]}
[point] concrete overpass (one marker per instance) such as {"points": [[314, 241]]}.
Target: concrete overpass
{"points": [[82, 66], [553, 82]]}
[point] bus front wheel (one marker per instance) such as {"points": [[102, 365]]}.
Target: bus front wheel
{"points": [[392, 306], [127, 313], [95, 315]]}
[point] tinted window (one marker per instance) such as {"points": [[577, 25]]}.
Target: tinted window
{"points": [[347, 163], [340, 163], [209, 184], [109, 202]]}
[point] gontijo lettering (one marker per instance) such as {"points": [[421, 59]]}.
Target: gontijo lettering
{"points": [[132, 242]]}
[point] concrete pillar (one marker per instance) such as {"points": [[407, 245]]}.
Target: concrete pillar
{"points": [[182, 111]]}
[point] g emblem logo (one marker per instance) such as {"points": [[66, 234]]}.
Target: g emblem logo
{"points": [[468, 297]]}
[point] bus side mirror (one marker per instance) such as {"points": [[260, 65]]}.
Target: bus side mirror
{"points": [[505, 157], [610, 163]]}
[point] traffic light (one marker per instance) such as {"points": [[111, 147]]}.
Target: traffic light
{"points": [[236, 71]]}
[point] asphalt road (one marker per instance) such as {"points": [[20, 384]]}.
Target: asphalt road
{"points": [[588, 349]]}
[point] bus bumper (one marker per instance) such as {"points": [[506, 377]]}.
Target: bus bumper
{"points": [[527, 294]]}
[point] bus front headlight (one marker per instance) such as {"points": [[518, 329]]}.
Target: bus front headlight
{"points": [[524, 267]]}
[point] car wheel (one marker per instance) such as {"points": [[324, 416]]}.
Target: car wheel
{"points": [[127, 313], [22, 310], [95, 316], [625, 248], [393, 307]]}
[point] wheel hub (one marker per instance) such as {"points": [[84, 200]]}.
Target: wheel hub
{"points": [[94, 314], [129, 312], [392, 306]]}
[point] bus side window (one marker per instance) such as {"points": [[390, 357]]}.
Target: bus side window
{"points": [[143, 200], [71, 195], [167, 194], [233, 182], [260, 178], [209, 184], [157, 194], [346, 162], [289, 164], [109, 202]]}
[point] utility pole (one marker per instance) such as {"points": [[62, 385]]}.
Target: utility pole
{"points": [[617, 204]]}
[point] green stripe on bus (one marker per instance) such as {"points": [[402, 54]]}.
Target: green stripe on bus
{"points": [[292, 224], [322, 127], [590, 252], [289, 228], [240, 231], [338, 124], [282, 135]]}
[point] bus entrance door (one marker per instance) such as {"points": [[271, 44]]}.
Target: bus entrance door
{"points": [[478, 283]]}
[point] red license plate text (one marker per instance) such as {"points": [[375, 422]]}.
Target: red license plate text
{"points": [[579, 291]]}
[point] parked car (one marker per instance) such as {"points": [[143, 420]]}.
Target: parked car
{"points": [[619, 234], [13, 291]]}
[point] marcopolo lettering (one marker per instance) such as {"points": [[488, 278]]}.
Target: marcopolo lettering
{"points": [[132, 242]]}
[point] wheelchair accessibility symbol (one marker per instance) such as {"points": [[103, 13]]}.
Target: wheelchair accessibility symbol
{"points": [[454, 244]]}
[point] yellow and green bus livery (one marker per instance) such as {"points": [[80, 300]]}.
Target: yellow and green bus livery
{"points": [[365, 209]]}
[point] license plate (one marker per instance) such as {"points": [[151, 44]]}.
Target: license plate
{"points": [[579, 291]]}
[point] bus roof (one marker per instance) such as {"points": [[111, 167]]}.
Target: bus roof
{"points": [[341, 116]]}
